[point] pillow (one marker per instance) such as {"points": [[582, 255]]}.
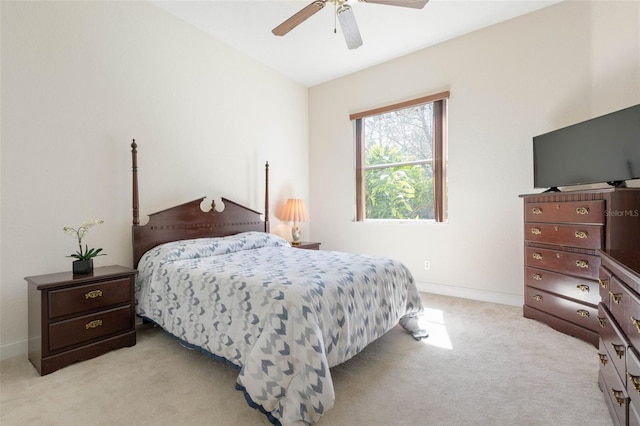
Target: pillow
{"points": [[206, 247]]}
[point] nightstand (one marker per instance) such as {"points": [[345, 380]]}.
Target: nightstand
{"points": [[307, 245], [77, 317]]}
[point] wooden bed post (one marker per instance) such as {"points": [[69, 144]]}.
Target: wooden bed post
{"points": [[266, 197], [134, 169]]}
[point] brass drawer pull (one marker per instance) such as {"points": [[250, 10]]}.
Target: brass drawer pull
{"points": [[584, 264], [602, 322], [583, 288], [93, 294], [603, 359], [93, 324], [636, 322], [604, 283], [583, 313], [536, 256], [537, 298], [617, 298], [619, 396], [536, 231], [536, 210], [582, 210], [582, 234], [619, 350], [537, 277], [635, 380]]}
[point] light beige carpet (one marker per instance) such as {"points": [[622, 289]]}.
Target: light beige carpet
{"points": [[484, 364]]}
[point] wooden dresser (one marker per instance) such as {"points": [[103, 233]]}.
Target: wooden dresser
{"points": [[77, 317], [562, 233], [619, 318]]}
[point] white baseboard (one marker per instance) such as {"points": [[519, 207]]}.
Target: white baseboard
{"points": [[467, 293], [14, 349]]}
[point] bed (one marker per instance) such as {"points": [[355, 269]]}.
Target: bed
{"points": [[219, 282]]}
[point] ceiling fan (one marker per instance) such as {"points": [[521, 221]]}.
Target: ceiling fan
{"points": [[345, 16]]}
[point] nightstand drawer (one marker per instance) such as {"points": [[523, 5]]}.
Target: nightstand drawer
{"points": [[307, 245], [89, 297], [89, 327]]}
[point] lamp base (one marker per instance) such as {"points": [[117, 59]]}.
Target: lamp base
{"points": [[295, 235]]}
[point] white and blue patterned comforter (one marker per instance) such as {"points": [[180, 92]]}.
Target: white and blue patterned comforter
{"points": [[282, 315]]}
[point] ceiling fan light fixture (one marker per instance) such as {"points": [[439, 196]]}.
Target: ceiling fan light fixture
{"points": [[349, 26], [345, 17]]}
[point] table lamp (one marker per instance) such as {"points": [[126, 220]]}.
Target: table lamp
{"points": [[295, 211]]}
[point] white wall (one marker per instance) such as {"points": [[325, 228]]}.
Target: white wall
{"points": [[509, 82], [79, 81]]}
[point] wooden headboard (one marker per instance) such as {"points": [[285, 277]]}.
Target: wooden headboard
{"points": [[188, 220]]}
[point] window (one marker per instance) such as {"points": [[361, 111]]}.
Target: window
{"points": [[401, 160]]}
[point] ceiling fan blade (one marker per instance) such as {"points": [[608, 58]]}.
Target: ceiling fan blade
{"points": [[349, 26], [415, 4], [299, 18]]}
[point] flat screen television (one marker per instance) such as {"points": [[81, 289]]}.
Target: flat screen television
{"points": [[603, 149]]}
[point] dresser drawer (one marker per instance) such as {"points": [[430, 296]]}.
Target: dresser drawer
{"points": [[82, 329], [634, 416], [628, 272], [633, 376], [581, 289], [582, 236], [604, 276], [619, 297], [580, 314], [566, 212], [614, 341], [576, 264], [615, 393], [625, 306], [69, 301]]}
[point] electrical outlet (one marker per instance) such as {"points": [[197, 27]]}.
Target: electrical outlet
{"points": [[427, 264]]}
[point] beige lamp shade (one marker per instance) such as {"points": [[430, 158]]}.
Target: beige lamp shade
{"points": [[295, 211]]}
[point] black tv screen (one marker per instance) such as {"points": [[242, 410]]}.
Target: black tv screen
{"points": [[603, 149]]}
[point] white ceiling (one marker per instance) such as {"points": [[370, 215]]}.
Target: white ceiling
{"points": [[312, 54]]}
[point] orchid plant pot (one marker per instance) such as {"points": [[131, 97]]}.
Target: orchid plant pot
{"points": [[84, 266]]}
